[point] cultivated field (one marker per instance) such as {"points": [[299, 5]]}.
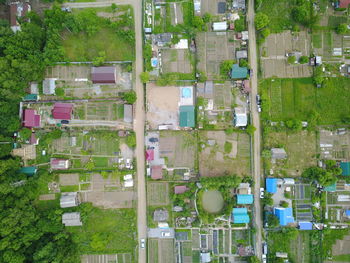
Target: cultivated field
{"points": [[161, 251], [157, 194], [176, 60], [99, 111]]}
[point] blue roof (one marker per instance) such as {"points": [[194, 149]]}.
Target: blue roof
{"points": [[285, 215], [331, 188], [305, 225], [28, 170], [271, 185], [245, 199], [238, 72], [240, 216], [345, 167], [347, 212], [236, 211]]}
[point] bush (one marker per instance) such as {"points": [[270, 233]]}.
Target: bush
{"points": [[59, 92], [129, 97], [25, 134], [243, 63], [261, 21], [228, 147], [225, 67], [250, 130], [240, 25], [206, 18], [291, 59], [131, 140], [284, 204], [342, 29], [303, 60], [144, 76]]}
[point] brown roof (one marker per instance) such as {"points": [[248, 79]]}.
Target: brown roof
{"points": [[180, 189], [103, 75], [156, 172], [18, 10]]}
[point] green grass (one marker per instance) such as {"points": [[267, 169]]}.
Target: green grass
{"points": [[195, 256], [297, 98], [317, 40], [344, 258], [100, 161], [106, 231], [334, 21], [69, 188], [153, 250]]}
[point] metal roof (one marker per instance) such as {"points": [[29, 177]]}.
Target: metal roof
{"points": [[238, 72], [345, 166], [128, 114], [271, 185], [305, 225], [71, 219], [285, 215], [103, 75], [245, 199], [187, 116]]}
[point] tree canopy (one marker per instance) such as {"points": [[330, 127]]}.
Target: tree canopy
{"points": [[261, 20]]}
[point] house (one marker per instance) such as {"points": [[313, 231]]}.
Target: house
{"points": [[318, 60], [344, 3], [31, 119], [156, 172], [59, 164], [241, 54], [62, 111], [71, 219], [271, 185], [240, 216], [180, 189], [220, 26], [49, 86], [28, 170], [149, 155], [284, 215], [187, 118], [278, 154], [205, 257], [70, 199], [128, 113], [104, 75], [160, 215], [18, 10], [240, 118], [31, 97], [345, 167], [221, 7], [238, 72], [26, 152], [245, 199], [162, 39], [305, 225], [238, 4]]}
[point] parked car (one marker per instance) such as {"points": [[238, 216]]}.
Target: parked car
{"points": [[64, 121], [165, 234], [142, 243], [128, 164], [153, 139], [258, 99], [259, 108], [262, 192]]}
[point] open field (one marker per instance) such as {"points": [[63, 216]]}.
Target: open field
{"points": [[297, 98], [161, 251], [301, 148], [176, 60], [107, 110], [214, 161], [157, 194]]}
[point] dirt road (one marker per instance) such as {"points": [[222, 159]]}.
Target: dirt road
{"points": [[256, 122]]}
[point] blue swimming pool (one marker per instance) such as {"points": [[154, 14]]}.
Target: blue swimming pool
{"points": [[186, 93]]}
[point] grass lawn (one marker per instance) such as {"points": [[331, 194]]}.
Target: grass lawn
{"points": [[317, 40], [81, 47], [344, 258], [69, 188], [106, 231], [100, 161], [297, 98]]}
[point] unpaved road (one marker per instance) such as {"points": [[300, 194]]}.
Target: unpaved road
{"points": [[256, 122]]}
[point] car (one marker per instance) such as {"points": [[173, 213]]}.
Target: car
{"points": [[258, 99], [143, 243], [165, 234], [258, 108], [128, 163], [153, 139], [262, 192], [64, 121]]}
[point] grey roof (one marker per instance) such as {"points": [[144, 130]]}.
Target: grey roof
{"points": [[162, 39], [183, 236], [238, 4], [128, 113], [71, 219], [278, 153], [160, 215], [70, 199], [241, 54], [49, 86], [221, 7]]}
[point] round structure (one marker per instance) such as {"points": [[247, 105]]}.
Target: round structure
{"points": [[212, 201]]}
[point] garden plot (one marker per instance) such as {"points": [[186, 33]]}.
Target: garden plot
{"points": [[301, 151], [179, 148], [240, 238], [274, 60], [176, 60], [340, 250], [210, 6], [75, 81], [176, 13], [335, 145], [120, 258], [222, 154], [99, 111], [213, 48], [157, 194]]}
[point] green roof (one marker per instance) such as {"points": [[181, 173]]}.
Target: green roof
{"points": [[29, 170], [345, 166], [187, 116], [331, 188], [238, 72], [30, 97]]}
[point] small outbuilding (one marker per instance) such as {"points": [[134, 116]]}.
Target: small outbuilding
{"points": [[49, 86], [220, 26], [205, 257], [241, 54], [271, 185], [59, 164], [70, 199], [180, 189], [245, 199], [71, 219], [305, 225], [160, 215], [28, 170], [240, 118], [18, 10], [238, 72], [240, 216], [104, 75]]}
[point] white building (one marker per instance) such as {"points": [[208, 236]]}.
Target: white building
{"points": [[220, 26]]}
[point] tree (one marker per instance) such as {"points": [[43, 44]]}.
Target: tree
{"points": [[5, 149], [206, 17], [131, 140], [253, 259], [303, 60], [225, 67], [129, 97], [294, 125], [291, 59], [239, 25], [322, 176], [243, 62], [144, 76], [114, 7], [284, 204], [266, 153], [267, 200], [318, 76], [100, 59], [341, 29], [175, 39], [272, 221], [198, 23], [59, 92], [250, 129], [25, 134], [300, 14], [265, 32], [261, 20]]}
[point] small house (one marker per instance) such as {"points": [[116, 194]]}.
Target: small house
{"points": [[156, 172], [197, 7], [221, 7], [49, 86], [245, 199], [238, 4], [278, 154], [240, 216], [128, 113], [28, 170], [70, 199], [220, 26], [59, 164], [104, 75], [281, 255], [305, 225], [62, 111], [160, 215], [162, 39], [238, 72], [205, 257], [18, 10], [187, 116], [180, 189], [31, 97], [71, 219], [245, 35], [31, 119], [271, 185], [284, 215]]}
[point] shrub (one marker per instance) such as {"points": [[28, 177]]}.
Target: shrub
{"points": [[228, 147], [144, 76], [59, 92], [129, 97], [291, 59], [303, 60]]}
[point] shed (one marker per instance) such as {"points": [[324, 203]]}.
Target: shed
{"points": [[103, 75], [246, 86], [289, 181], [344, 3], [59, 164], [345, 167], [245, 35], [238, 72], [205, 257], [285, 215], [160, 215], [34, 88], [180, 189], [281, 255], [220, 26], [221, 7], [197, 7], [271, 185], [62, 111], [305, 225], [245, 199], [278, 153], [28, 170], [49, 86], [331, 188], [240, 216], [318, 60], [71, 219], [33, 139], [70, 199], [156, 172], [31, 119], [31, 97], [238, 4], [187, 118], [18, 10], [347, 213], [128, 113], [241, 54]]}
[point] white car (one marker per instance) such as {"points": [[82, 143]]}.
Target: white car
{"points": [[128, 164], [262, 192], [165, 234], [142, 243]]}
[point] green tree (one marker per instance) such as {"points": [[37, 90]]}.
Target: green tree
{"points": [[243, 62], [114, 7], [284, 204], [100, 59], [144, 76], [59, 92], [342, 29], [300, 14], [265, 32], [322, 176], [131, 140], [129, 97], [25, 134], [228, 147], [266, 154], [291, 60], [5, 149], [303, 60], [294, 125], [261, 20], [267, 200], [198, 23], [318, 76], [272, 221], [175, 39], [250, 129], [240, 25], [225, 67], [207, 18]]}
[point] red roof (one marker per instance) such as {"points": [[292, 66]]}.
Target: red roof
{"points": [[103, 75], [156, 172], [59, 164], [180, 189], [344, 3], [62, 111], [150, 155], [31, 119]]}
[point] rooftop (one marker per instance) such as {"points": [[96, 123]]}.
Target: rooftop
{"points": [[271, 185], [70, 199], [187, 118], [285, 215], [238, 72], [160, 215], [71, 219], [31, 119], [156, 172], [103, 75], [62, 111], [180, 189], [245, 199], [345, 166], [278, 153]]}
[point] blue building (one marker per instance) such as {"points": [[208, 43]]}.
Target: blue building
{"points": [[240, 216], [245, 199], [285, 215], [271, 185], [305, 225]]}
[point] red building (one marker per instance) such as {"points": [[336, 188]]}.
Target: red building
{"points": [[62, 111], [31, 119]]}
